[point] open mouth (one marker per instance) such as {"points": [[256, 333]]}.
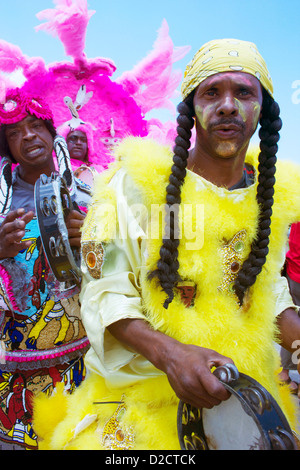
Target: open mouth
{"points": [[33, 151]]}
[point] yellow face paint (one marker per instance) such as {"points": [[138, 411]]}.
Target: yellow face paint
{"points": [[242, 112], [202, 115], [241, 109], [226, 149], [227, 108], [257, 111]]}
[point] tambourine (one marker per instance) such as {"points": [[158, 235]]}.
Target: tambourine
{"points": [[249, 420], [53, 204], [86, 174]]}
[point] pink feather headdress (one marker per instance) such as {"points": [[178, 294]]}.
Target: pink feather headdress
{"points": [[19, 104], [117, 108]]}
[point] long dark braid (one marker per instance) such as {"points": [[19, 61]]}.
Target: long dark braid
{"points": [[167, 266], [269, 135]]}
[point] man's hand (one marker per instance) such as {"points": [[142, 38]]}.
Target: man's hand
{"points": [[74, 223], [187, 367], [190, 375], [12, 230]]}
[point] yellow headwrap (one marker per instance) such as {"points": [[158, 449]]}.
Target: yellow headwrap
{"points": [[225, 55]]}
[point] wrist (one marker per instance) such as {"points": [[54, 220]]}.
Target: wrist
{"points": [[154, 345], [163, 350]]}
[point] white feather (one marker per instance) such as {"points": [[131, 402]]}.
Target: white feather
{"points": [[82, 97]]}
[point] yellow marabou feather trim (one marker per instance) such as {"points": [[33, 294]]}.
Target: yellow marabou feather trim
{"points": [[103, 200], [214, 321]]}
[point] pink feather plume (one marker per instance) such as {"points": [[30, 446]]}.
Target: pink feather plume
{"points": [[152, 82], [68, 21], [12, 59]]}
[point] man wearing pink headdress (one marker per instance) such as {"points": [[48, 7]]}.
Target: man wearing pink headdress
{"points": [[78, 145], [43, 338], [80, 138]]}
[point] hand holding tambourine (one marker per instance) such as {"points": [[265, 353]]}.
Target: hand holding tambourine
{"points": [[249, 420]]}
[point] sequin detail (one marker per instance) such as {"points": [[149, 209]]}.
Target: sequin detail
{"points": [[93, 257], [115, 437], [232, 258]]}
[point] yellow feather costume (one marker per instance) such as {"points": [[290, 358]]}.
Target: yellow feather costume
{"points": [[213, 320]]}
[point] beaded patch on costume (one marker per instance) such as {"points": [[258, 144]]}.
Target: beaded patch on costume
{"points": [[93, 256], [187, 291], [232, 254], [114, 437]]}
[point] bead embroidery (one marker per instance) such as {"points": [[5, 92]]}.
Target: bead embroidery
{"points": [[232, 254], [114, 437], [93, 256]]}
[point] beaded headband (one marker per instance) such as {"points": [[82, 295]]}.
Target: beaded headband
{"points": [[18, 105]]}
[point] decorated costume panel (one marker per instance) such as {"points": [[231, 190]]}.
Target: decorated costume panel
{"points": [[17, 390], [45, 324], [43, 340]]}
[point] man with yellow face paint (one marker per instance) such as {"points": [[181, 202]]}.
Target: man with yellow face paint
{"points": [[162, 311]]}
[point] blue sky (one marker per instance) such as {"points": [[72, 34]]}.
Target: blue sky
{"points": [[125, 30]]}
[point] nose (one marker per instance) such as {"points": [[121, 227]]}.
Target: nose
{"points": [[227, 106], [28, 133]]}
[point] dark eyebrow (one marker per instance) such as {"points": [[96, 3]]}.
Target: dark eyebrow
{"points": [[245, 85], [33, 118], [29, 119], [11, 126], [215, 81]]}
